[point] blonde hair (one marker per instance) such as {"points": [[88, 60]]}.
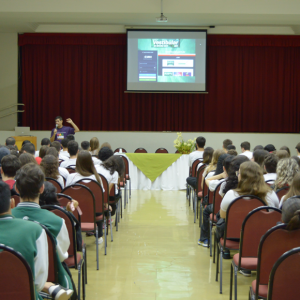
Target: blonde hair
{"points": [[95, 145], [295, 187], [286, 170], [252, 181], [213, 165]]}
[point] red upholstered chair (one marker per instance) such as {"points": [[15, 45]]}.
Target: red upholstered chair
{"points": [[202, 204], [193, 173], [198, 192], [55, 183], [71, 169], [118, 150], [284, 278], [86, 200], [161, 150], [213, 217], [236, 212], [127, 177], [274, 243], [16, 198], [16, 279], [255, 225], [282, 192], [140, 150]]}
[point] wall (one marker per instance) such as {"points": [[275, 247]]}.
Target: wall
{"points": [[153, 140], [8, 79]]}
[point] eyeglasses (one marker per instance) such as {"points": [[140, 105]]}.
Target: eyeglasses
{"points": [[237, 173]]}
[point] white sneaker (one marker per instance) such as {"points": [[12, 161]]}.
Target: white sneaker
{"points": [[100, 240]]}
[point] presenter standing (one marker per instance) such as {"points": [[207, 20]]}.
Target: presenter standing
{"points": [[60, 132]]}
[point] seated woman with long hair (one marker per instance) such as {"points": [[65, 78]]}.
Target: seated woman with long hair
{"points": [[291, 213], [293, 191], [286, 170], [26, 158], [95, 146], [259, 157], [49, 166]]}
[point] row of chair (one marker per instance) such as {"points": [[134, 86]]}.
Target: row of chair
{"points": [[143, 150], [250, 229]]}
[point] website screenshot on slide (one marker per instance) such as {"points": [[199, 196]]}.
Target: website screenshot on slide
{"points": [[166, 60]]}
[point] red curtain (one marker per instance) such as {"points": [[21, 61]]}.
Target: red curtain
{"points": [[253, 85]]}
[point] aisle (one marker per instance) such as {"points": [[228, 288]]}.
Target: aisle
{"points": [[155, 255]]}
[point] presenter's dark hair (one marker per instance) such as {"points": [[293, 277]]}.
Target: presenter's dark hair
{"points": [[29, 180], [200, 141], [226, 143], [45, 142], [10, 164], [56, 145], [4, 197], [59, 118], [85, 145], [29, 148], [245, 145], [72, 148], [105, 153], [65, 142], [10, 141]]}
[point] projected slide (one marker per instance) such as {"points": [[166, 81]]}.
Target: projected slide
{"points": [[166, 60]]}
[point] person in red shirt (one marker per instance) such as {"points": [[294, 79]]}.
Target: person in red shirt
{"points": [[10, 164]]}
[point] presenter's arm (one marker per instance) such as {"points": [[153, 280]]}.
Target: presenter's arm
{"points": [[53, 136], [73, 124]]}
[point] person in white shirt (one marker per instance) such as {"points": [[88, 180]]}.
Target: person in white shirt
{"points": [[63, 153], [245, 148], [270, 165], [73, 151], [85, 145], [200, 143], [44, 142]]}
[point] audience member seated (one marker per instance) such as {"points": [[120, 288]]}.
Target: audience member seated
{"points": [[282, 154], [10, 164], [71, 137], [270, 148], [64, 154], [245, 148], [291, 213], [15, 153], [200, 143], [29, 239], [43, 151], [259, 157], [286, 149], [297, 159], [207, 158], [56, 145], [3, 152], [10, 141], [286, 170], [105, 144], [104, 154], [30, 184], [26, 158], [258, 147], [227, 143], [49, 166], [85, 145], [95, 146], [44, 142], [73, 151], [293, 191], [213, 183], [232, 152], [270, 166], [86, 169], [298, 149], [29, 148], [230, 147]]}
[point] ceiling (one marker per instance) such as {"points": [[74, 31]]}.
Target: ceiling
{"points": [[33, 15]]}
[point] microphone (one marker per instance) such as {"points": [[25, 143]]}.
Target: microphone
{"points": [[56, 126]]}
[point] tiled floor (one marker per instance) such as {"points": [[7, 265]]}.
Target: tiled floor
{"points": [[155, 255]]}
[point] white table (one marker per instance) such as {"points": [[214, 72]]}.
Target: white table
{"points": [[173, 178]]}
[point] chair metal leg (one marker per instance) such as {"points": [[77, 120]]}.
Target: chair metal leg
{"points": [[210, 237], [201, 212], [215, 243], [79, 278], [110, 225], [235, 282], [105, 236], [85, 264], [117, 215], [217, 264], [221, 268], [130, 188], [231, 275], [83, 280], [97, 248], [195, 203], [121, 204]]}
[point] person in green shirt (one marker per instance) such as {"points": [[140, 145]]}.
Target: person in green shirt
{"points": [[30, 184]]}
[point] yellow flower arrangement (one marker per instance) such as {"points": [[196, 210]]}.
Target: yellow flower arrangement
{"points": [[182, 146]]}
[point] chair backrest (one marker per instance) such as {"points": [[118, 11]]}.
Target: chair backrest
{"points": [[55, 183], [69, 224], [16, 279], [52, 257], [217, 199], [71, 170], [194, 167], [16, 198], [200, 178], [64, 200], [97, 191], [161, 150], [140, 150], [118, 150], [282, 191], [236, 213], [270, 182], [255, 225], [284, 278], [205, 187], [126, 163], [106, 189], [86, 201], [273, 244]]}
